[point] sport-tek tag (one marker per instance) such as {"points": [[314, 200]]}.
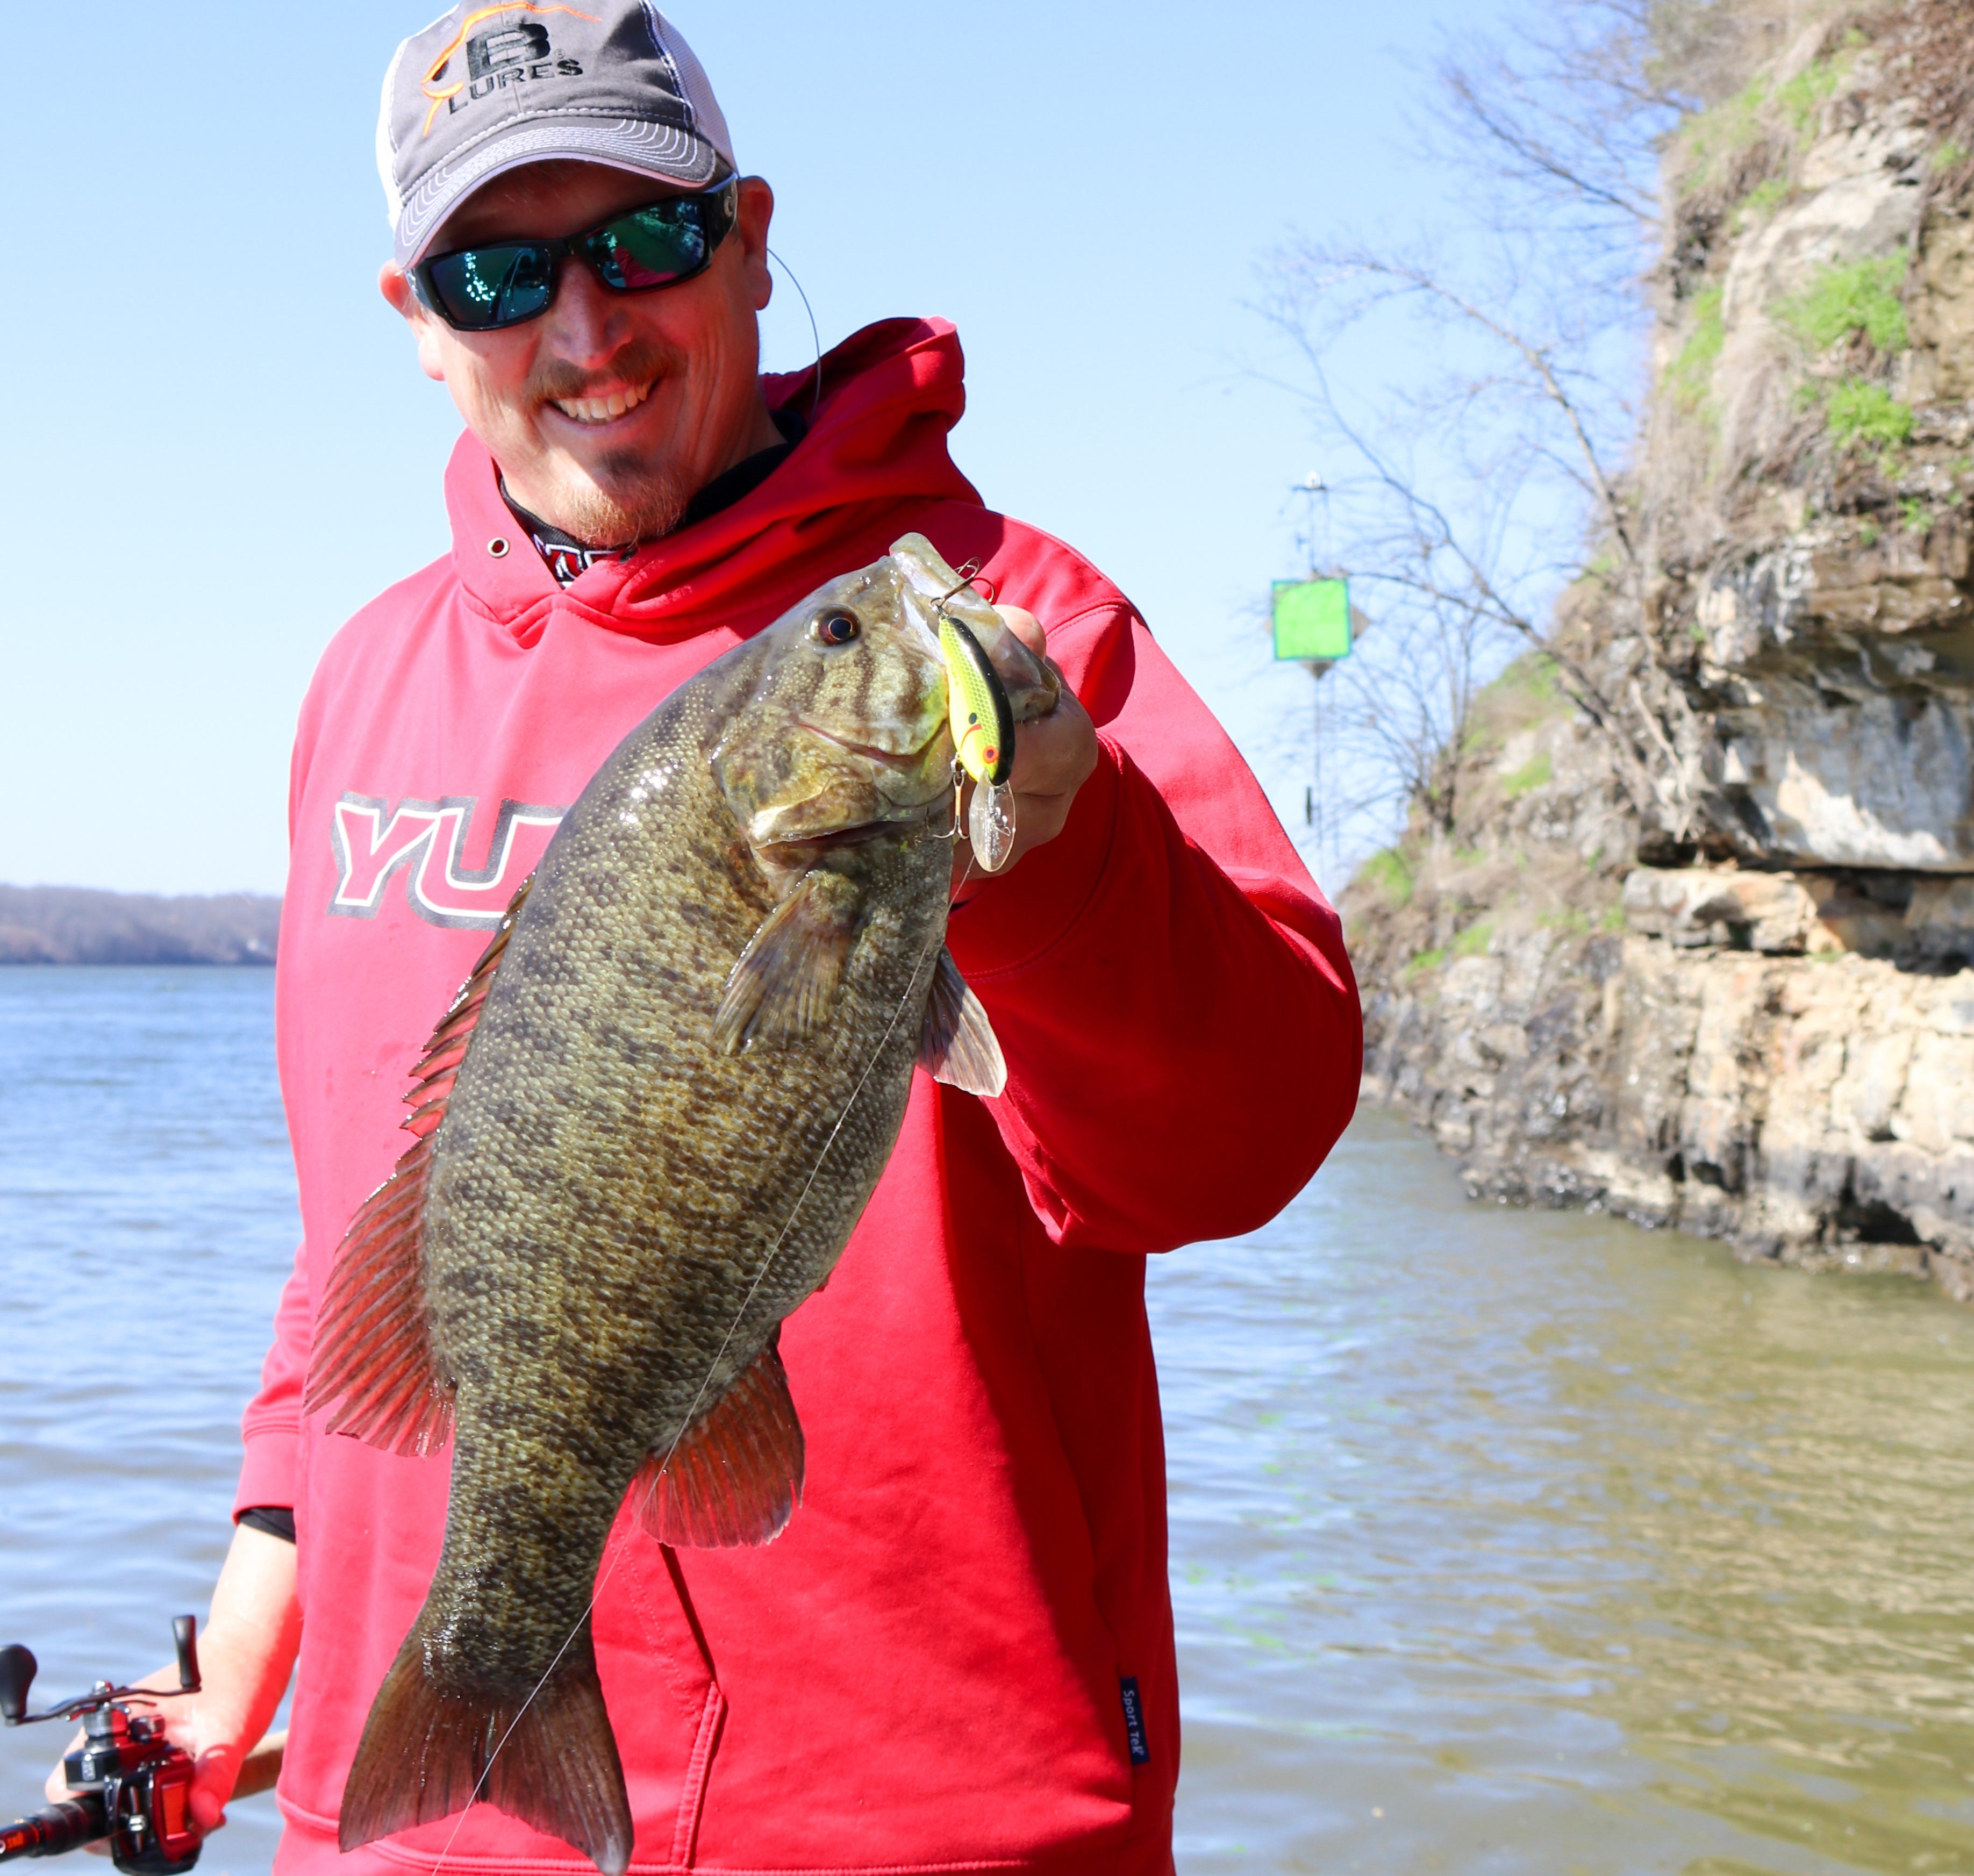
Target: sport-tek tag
{"points": [[1134, 1719]]}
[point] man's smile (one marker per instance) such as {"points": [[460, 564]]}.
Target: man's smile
{"points": [[606, 408]]}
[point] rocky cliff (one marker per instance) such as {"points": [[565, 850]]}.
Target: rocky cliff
{"points": [[1741, 1003]]}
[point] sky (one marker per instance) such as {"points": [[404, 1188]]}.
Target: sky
{"points": [[219, 445]]}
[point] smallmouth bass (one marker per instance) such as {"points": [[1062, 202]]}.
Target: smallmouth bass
{"points": [[646, 1128]]}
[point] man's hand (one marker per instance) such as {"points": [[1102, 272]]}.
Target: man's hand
{"points": [[1053, 756], [245, 1655]]}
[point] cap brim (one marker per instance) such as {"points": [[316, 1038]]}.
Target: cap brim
{"points": [[660, 150]]}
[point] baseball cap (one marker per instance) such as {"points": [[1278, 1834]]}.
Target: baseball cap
{"points": [[489, 86]]}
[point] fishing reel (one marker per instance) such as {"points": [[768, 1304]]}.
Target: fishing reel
{"points": [[128, 1786]]}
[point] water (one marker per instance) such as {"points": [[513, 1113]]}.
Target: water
{"points": [[147, 1222], [1506, 1541], [1501, 1541]]}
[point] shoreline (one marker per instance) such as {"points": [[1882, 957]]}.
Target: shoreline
{"points": [[76, 925]]}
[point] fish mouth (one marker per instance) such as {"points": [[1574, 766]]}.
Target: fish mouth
{"points": [[804, 849], [875, 752]]}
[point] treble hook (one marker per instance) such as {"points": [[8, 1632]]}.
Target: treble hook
{"points": [[968, 573], [952, 832]]}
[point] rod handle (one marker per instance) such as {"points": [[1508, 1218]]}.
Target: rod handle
{"points": [[64, 1826], [261, 1767]]}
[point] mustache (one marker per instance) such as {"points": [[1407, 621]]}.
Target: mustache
{"points": [[639, 363]]}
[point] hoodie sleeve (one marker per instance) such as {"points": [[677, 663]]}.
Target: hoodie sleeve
{"points": [[271, 1426], [1170, 990]]}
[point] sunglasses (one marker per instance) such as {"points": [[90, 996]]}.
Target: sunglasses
{"points": [[504, 282]]}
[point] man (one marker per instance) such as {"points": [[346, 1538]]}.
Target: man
{"points": [[959, 1655]]}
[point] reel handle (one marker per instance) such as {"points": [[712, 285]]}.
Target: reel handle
{"points": [[185, 1639], [17, 1674]]}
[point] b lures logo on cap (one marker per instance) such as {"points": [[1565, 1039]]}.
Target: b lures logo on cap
{"points": [[511, 53], [493, 84]]}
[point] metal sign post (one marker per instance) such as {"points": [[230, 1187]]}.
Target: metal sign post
{"points": [[1312, 625], [1311, 619]]}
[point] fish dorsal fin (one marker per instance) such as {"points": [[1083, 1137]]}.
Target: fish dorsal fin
{"points": [[958, 1045], [373, 1340], [784, 984], [736, 1476]]}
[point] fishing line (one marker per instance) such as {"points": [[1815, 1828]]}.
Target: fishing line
{"points": [[815, 336], [746, 1303]]}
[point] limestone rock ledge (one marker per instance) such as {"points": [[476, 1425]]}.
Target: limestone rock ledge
{"points": [[1754, 1019], [1819, 1111]]}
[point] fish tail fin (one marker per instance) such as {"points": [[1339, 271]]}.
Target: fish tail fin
{"points": [[429, 1748]]}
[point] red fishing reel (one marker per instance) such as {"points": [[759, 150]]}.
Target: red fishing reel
{"points": [[128, 1786]]}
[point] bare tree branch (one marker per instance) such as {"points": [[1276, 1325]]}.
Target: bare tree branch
{"points": [[1511, 432]]}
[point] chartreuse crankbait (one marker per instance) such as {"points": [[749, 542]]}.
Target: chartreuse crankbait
{"points": [[983, 720], [983, 739]]}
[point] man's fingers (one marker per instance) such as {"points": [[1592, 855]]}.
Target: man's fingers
{"points": [[1026, 627], [217, 1769], [1054, 754], [1054, 757], [57, 1787]]}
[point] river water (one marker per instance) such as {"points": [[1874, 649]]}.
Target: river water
{"points": [[1501, 1541]]}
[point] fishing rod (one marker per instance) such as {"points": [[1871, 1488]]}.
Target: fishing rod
{"points": [[128, 1786]]}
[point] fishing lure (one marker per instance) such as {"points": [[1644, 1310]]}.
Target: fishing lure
{"points": [[983, 721], [983, 739]]}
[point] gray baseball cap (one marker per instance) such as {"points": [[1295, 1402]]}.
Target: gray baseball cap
{"points": [[492, 84]]}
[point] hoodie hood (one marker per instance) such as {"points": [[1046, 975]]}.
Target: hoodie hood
{"points": [[875, 449]]}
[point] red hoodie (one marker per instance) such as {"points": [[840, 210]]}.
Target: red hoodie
{"points": [[930, 1669]]}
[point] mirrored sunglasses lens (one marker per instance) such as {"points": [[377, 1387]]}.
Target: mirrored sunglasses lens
{"points": [[650, 247], [488, 287]]}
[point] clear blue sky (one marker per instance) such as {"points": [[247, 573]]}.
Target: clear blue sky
{"points": [[219, 445]]}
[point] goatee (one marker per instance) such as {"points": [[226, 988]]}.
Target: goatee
{"points": [[624, 501]]}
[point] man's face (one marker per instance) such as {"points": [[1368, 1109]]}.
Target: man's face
{"points": [[608, 413]]}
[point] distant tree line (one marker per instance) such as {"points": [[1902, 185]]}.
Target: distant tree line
{"points": [[73, 925]]}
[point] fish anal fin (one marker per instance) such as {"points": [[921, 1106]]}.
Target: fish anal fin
{"points": [[373, 1340], [958, 1045], [784, 983], [549, 1760], [735, 1477]]}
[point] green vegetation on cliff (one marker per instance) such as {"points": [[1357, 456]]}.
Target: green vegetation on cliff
{"points": [[1692, 372], [1862, 412], [1862, 298]]}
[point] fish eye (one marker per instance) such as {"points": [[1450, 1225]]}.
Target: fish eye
{"points": [[836, 627]]}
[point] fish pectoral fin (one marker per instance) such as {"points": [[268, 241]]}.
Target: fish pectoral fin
{"points": [[735, 1477], [785, 983], [958, 1045]]}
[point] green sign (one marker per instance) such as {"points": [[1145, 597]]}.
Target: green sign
{"points": [[1312, 618]]}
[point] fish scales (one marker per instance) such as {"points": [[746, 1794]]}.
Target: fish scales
{"points": [[646, 1130], [611, 1117]]}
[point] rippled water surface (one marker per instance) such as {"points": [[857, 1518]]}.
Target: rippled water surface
{"points": [[1511, 1541], [147, 1222], [1501, 1541]]}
